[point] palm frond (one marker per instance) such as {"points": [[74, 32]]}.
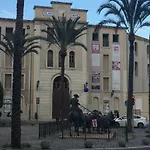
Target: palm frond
{"points": [[29, 51], [145, 24], [29, 44], [130, 13], [6, 48], [10, 44], [78, 44], [105, 22], [30, 39], [6, 53]]}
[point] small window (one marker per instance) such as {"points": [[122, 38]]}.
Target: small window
{"points": [[48, 36], [105, 62], [50, 58], [23, 62], [148, 69], [9, 33], [72, 59], [24, 32], [115, 38], [22, 81], [105, 84], [148, 50], [8, 81], [95, 36], [124, 117], [0, 33], [8, 61], [136, 117], [59, 60], [136, 49], [136, 69], [105, 40]]}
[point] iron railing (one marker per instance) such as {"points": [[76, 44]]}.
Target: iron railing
{"points": [[47, 129]]}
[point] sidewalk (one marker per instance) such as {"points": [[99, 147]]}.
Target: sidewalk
{"points": [[30, 135]]}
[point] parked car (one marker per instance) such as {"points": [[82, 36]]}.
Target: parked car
{"points": [[139, 121]]}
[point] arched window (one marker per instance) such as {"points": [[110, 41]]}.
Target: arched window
{"points": [[148, 67], [50, 58], [136, 48], [72, 59], [116, 103], [96, 103], [136, 69], [59, 60]]}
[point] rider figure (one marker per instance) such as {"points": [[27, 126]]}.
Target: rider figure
{"points": [[75, 105], [74, 102]]}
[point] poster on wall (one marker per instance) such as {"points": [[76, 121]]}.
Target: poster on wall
{"points": [[116, 53], [95, 68], [7, 105], [95, 48], [95, 60], [116, 68], [95, 78]]}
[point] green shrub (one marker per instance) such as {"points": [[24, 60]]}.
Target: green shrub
{"points": [[1, 95], [148, 135], [25, 145], [45, 144], [122, 143], [147, 130], [88, 144], [145, 141]]}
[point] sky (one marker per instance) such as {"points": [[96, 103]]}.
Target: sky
{"points": [[8, 10]]}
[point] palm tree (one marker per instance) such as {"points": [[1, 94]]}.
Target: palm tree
{"points": [[28, 45], [132, 15], [63, 34]]}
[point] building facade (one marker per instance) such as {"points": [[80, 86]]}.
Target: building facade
{"points": [[103, 68]]}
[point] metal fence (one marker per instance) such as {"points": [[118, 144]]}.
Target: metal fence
{"points": [[48, 129]]}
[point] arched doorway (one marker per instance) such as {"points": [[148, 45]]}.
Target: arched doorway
{"points": [[57, 98]]}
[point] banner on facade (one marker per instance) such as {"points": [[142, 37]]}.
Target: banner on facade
{"points": [[116, 53], [96, 78], [116, 80], [95, 68], [116, 68]]}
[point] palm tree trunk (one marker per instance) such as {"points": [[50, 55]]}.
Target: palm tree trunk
{"points": [[16, 96], [62, 88], [130, 83]]}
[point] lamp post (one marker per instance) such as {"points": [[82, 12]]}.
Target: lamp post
{"points": [[149, 79], [30, 88]]}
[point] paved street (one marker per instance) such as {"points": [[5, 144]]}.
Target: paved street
{"points": [[30, 135]]}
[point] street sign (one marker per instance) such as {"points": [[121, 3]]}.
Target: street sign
{"points": [[126, 102], [37, 100]]}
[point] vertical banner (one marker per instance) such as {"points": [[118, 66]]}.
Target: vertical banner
{"points": [[116, 68], [95, 68]]}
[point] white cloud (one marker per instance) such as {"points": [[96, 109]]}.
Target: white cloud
{"points": [[7, 14]]}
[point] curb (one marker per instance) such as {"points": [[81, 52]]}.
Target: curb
{"points": [[124, 148]]}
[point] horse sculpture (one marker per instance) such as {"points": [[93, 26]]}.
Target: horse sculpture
{"points": [[75, 116], [77, 119]]}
